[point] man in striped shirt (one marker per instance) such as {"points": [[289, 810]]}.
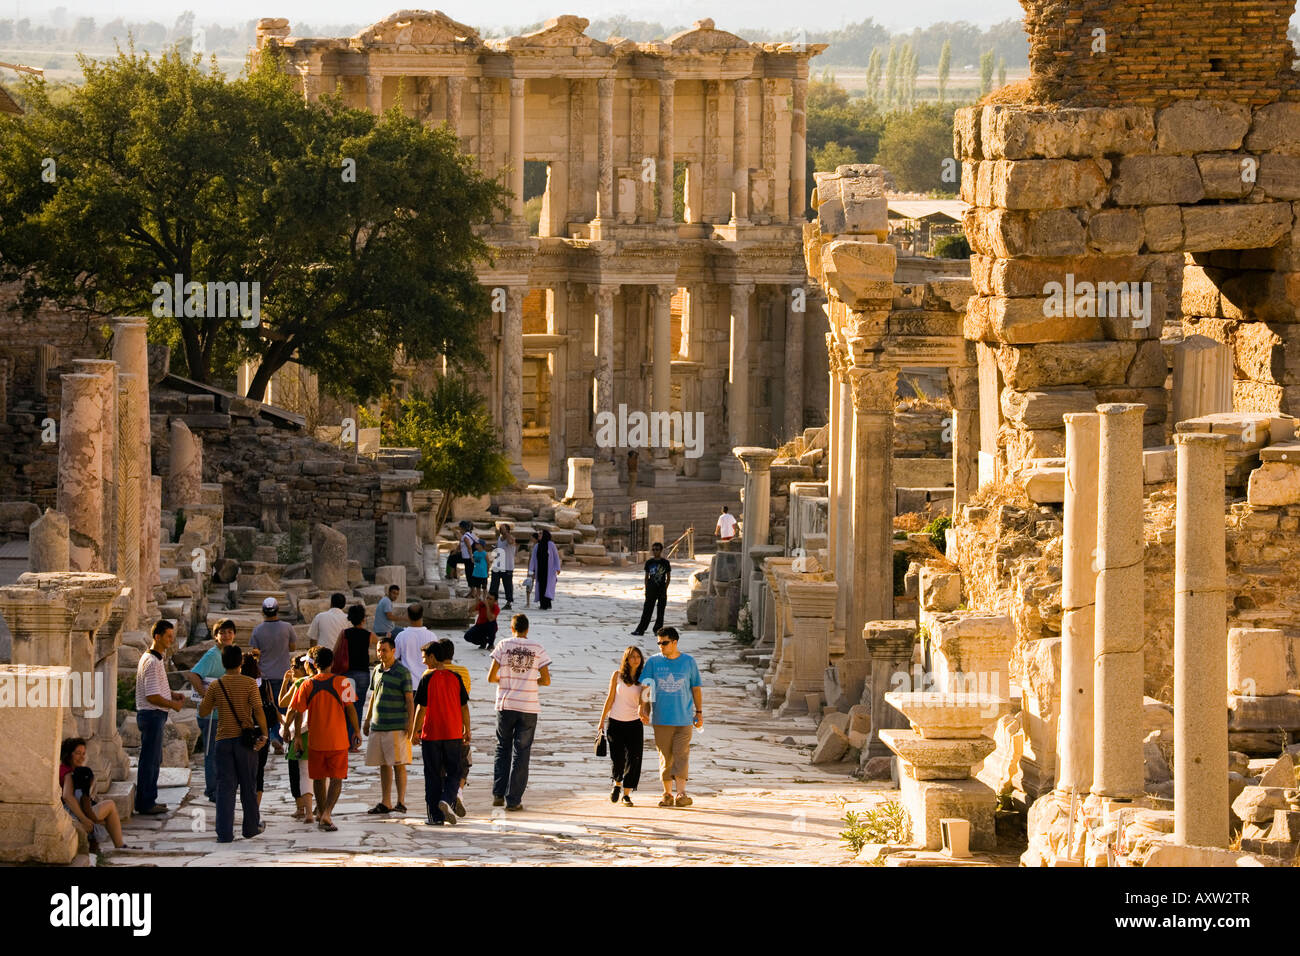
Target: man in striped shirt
{"points": [[388, 725], [153, 698], [519, 667]]}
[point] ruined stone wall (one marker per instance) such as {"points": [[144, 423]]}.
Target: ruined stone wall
{"points": [[1152, 52]]}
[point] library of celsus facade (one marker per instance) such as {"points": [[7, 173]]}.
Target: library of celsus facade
{"points": [[666, 271]]}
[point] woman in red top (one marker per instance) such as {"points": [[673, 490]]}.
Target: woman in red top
{"points": [[76, 780], [484, 631]]}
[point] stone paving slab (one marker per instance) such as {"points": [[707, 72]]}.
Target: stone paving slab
{"points": [[757, 799]]}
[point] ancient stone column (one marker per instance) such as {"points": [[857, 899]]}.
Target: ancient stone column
{"points": [[738, 365], [740, 154], [81, 491], [184, 467], [1078, 603], [131, 352], [150, 574], [965, 384], [662, 364], [329, 559], [833, 456], [487, 156], [455, 91], [106, 372], [512, 379], [665, 169], [842, 437], [1200, 647], [47, 542], [34, 826], [794, 322], [1117, 676], [757, 463], [812, 603], [130, 527], [890, 644], [604, 298], [1202, 378], [605, 147], [579, 478], [798, 148], [374, 93], [517, 150], [872, 597]]}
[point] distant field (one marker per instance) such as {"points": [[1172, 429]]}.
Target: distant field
{"points": [[61, 65], [962, 84]]}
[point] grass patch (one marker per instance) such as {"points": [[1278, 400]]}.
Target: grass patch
{"points": [[887, 823]]}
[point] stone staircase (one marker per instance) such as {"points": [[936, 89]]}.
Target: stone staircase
{"points": [[686, 504]]}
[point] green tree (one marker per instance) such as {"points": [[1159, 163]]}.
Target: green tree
{"points": [[165, 168], [460, 447], [827, 157], [1002, 72], [891, 76], [945, 66], [986, 72], [913, 68], [914, 145], [873, 77]]}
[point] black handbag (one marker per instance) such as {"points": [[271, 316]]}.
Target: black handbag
{"points": [[248, 736], [602, 746]]}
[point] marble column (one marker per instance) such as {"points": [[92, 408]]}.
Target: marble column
{"points": [[812, 604], [604, 381], [1200, 644], [184, 468], [487, 155], [794, 333], [1118, 770], [605, 148], [455, 92], [872, 598], [965, 385], [890, 644], [81, 449], [47, 542], [130, 551], [740, 154], [662, 364], [798, 148], [517, 150], [738, 365], [1078, 603], [106, 371], [757, 463], [374, 93], [131, 352], [665, 170], [150, 574], [512, 379]]}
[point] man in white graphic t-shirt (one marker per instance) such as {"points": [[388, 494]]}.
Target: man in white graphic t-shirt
{"points": [[726, 527], [519, 667]]}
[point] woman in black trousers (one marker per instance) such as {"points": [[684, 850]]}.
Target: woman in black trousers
{"points": [[623, 731]]}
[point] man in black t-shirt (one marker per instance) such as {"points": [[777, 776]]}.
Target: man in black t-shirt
{"points": [[658, 572]]}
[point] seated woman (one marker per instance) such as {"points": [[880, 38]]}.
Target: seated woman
{"points": [[483, 633], [77, 782]]}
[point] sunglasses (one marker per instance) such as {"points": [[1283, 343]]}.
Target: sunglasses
{"points": [[665, 643]]}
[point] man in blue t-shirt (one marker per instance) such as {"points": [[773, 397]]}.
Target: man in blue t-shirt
{"points": [[671, 705], [383, 613]]}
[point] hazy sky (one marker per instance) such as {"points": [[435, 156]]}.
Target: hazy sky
{"points": [[733, 14]]}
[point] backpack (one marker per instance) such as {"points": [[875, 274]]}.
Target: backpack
{"points": [[326, 685]]}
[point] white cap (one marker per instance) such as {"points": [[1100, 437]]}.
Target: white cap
{"points": [[270, 604]]}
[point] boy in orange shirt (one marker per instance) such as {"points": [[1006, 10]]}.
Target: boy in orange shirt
{"points": [[327, 700]]}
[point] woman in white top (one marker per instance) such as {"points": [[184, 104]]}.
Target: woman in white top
{"points": [[624, 732]]}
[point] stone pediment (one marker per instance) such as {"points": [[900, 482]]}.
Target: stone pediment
{"points": [[418, 28], [564, 32], [703, 37]]}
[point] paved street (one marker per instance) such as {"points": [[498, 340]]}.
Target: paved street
{"points": [[757, 799]]}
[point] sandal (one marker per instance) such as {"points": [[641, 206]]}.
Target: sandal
{"points": [[399, 807], [327, 827], [667, 801], [381, 808]]}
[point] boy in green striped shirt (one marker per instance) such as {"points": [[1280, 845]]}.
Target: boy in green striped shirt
{"points": [[388, 725]]}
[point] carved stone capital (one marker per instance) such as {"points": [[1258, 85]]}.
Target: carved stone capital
{"points": [[874, 389]]}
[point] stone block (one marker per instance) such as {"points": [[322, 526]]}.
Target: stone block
{"points": [[939, 590], [1044, 480], [1159, 464], [947, 716], [1276, 127], [1157, 180], [1201, 126], [929, 801], [391, 574], [1115, 232], [1046, 183], [1008, 233], [858, 272], [926, 759], [1274, 484], [1257, 804], [1173, 854], [1025, 321], [831, 748], [1226, 175], [1263, 713], [1257, 662], [1162, 227], [1022, 132], [329, 557], [1280, 774], [1279, 176], [360, 537], [1065, 363], [1227, 226]]}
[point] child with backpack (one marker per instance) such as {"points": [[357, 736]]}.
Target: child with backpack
{"points": [[327, 701]]}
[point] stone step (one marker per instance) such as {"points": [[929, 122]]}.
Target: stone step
{"points": [[593, 550], [122, 793], [599, 560]]}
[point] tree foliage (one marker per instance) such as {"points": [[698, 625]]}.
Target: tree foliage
{"points": [[945, 67], [460, 446], [913, 146], [167, 168]]}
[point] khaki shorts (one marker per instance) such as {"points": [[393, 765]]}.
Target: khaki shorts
{"points": [[387, 748], [674, 746]]}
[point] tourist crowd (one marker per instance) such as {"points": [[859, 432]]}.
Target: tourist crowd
{"points": [[395, 687]]}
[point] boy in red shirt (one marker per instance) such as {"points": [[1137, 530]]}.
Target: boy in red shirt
{"points": [[442, 722], [327, 701]]}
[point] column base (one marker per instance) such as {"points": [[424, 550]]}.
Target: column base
{"points": [[731, 470], [604, 476], [36, 833], [659, 475], [521, 475]]}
